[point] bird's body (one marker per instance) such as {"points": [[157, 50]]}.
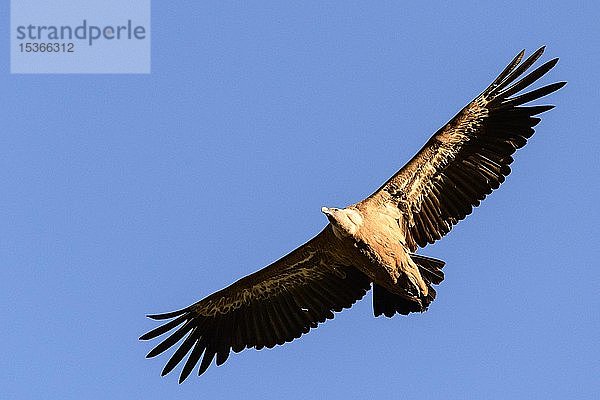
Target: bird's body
{"points": [[373, 242]]}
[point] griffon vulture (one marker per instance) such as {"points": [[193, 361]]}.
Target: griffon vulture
{"points": [[372, 242]]}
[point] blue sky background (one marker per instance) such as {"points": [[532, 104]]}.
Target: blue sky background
{"points": [[131, 194]]}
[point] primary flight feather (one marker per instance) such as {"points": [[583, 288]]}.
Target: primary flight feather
{"points": [[371, 242]]}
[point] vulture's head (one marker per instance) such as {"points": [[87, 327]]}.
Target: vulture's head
{"points": [[345, 221]]}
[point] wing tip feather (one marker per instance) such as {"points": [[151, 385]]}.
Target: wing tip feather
{"points": [[167, 315]]}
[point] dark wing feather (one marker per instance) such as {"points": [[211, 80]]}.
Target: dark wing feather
{"points": [[272, 306], [469, 157]]}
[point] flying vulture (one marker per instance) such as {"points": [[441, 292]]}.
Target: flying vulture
{"points": [[372, 242]]}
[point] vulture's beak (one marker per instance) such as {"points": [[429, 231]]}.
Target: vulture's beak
{"points": [[325, 211]]}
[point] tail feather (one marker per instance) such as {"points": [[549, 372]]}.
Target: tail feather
{"points": [[388, 303], [430, 268]]}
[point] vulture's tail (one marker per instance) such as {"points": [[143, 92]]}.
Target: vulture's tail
{"points": [[387, 303]]}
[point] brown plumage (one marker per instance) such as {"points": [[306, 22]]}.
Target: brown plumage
{"points": [[372, 241]]}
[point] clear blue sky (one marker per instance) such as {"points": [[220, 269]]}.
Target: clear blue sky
{"points": [[130, 194]]}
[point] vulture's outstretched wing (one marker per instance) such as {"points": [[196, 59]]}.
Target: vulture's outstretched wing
{"points": [[469, 157], [272, 306]]}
